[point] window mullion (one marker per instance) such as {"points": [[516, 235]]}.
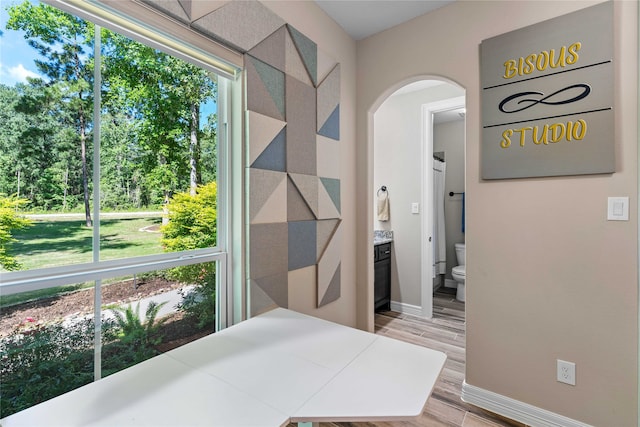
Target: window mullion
{"points": [[97, 101]]}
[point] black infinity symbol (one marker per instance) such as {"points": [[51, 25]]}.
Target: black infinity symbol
{"points": [[530, 102]]}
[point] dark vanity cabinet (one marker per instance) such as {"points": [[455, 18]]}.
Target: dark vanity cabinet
{"points": [[382, 281]]}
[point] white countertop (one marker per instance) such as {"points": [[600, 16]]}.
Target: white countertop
{"points": [[273, 369], [380, 241]]}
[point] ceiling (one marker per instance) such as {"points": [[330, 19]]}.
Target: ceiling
{"points": [[363, 18]]}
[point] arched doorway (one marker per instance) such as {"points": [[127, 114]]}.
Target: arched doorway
{"points": [[402, 138]]}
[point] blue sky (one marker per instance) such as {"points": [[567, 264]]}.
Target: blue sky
{"points": [[16, 56]]}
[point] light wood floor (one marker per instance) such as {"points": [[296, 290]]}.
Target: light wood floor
{"points": [[444, 332]]}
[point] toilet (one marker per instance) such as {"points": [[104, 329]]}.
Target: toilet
{"points": [[458, 272]]}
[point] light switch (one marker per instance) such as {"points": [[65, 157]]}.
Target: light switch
{"points": [[415, 208], [618, 209]]}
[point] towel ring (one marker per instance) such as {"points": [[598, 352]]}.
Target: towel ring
{"points": [[383, 189]]}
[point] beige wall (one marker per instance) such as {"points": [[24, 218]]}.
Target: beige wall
{"points": [[310, 20], [547, 276]]}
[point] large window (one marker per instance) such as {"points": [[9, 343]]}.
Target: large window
{"points": [[112, 202]]}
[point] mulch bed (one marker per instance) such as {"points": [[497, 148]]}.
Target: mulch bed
{"points": [[56, 308]]}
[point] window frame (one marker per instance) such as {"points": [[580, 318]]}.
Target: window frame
{"points": [[134, 28]]}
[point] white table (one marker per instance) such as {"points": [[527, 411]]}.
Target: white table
{"points": [[273, 369]]}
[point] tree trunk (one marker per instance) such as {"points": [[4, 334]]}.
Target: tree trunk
{"points": [[82, 123], [193, 148], [165, 208], [66, 186], [85, 169], [18, 183]]}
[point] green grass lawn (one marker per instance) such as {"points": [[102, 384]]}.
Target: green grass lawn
{"points": [[54, 243]]}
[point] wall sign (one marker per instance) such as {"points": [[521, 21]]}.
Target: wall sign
{"points": [[547, 98]]}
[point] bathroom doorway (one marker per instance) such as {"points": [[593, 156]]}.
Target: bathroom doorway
{"points": [[402, 163], [448, 196]]}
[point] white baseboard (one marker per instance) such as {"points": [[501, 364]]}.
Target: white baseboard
{"points": [[514, 409], [403, 308], [450, 283]]}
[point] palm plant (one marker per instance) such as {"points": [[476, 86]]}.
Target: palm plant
{"points": [[136, 331]]}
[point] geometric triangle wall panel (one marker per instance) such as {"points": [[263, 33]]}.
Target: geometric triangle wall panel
{"points": [[302, 244], [294, 65], [328, 270], [274, 156], [267, 196], [331, 127], [328, 155], [301, 127], [171, 8], [266, 86], [307, 185], [261, 132], [333, 290], [308, 52], [302, 287], [328, 101], [272, 49], [333, 189], [196, 9], [291, 153], [297, 207], [276, 288], [327, 208], [259, 301], [268, 249], [326, 230], [201, 8], [186, 6], [242, 24], [326, 63]]}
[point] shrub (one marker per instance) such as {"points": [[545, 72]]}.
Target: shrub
{"points": [[9, 221], [193, 225], [192, 220], [40, 362], [142, 335], [44, 362], [200, 301]]}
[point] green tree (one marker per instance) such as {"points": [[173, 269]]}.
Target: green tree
{"points": [[209, 150], [64, 43], [45, 147], [165, 93], [13, 123], [10, 220], [155, 139], [120, 177]]}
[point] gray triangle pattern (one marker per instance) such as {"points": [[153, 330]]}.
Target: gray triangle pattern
{"points": [[333, 291]]}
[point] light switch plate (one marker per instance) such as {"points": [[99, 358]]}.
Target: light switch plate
{"points": [[415, 208], [618, 209]]}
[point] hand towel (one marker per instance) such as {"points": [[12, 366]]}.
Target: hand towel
{"points": [[383, 206]]}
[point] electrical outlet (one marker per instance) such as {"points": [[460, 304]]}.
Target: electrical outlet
{"points": [[566, 372]]}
